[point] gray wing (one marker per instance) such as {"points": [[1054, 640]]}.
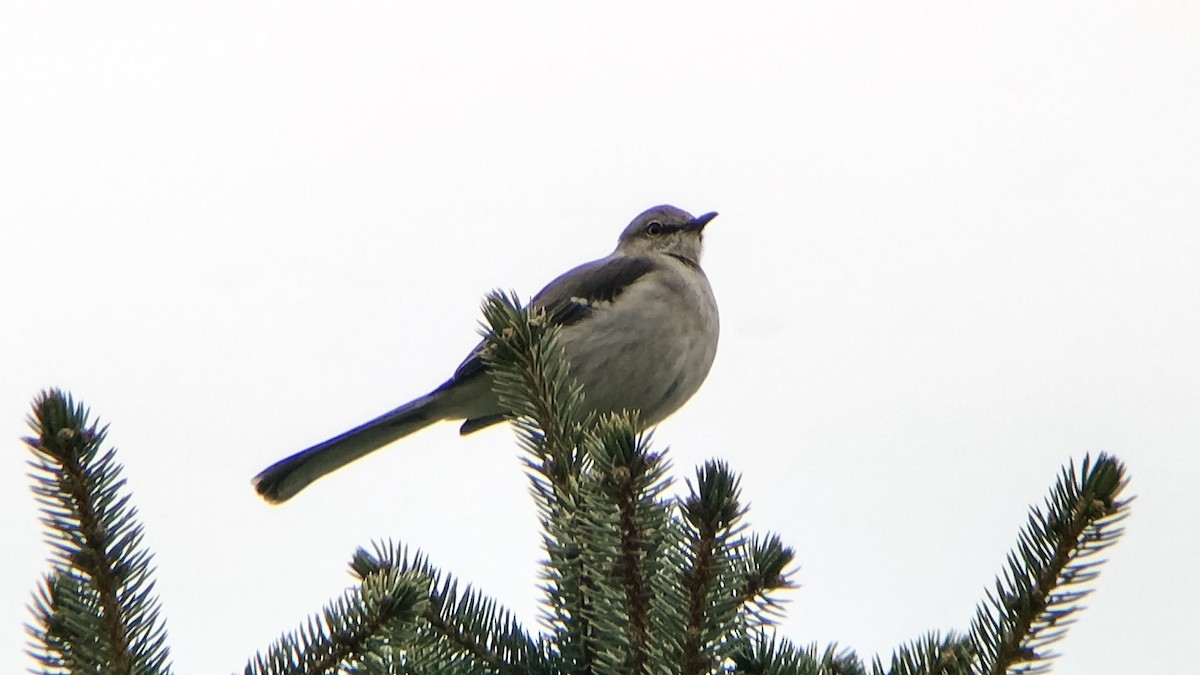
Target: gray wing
{"points": [[571, 298], [575, 295]]}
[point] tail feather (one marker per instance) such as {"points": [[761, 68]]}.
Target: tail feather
{"points": [[284, 479]]}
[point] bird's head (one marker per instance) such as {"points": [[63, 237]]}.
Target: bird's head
{"points": [[665, 229]]}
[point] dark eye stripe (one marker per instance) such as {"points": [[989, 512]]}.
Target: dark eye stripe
{"points": [[655, 228]]}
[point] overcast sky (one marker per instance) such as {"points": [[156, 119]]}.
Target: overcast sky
{"points": [[959, 245]]}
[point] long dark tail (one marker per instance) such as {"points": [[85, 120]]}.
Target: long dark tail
{"points": [[283, 479]]}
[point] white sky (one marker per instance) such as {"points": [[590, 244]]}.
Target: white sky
{"points": [[959, 245]]}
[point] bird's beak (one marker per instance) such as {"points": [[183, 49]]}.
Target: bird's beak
{"points": [[697, 224]]}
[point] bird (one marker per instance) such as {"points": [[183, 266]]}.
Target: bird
{"points": [[638, 328]]}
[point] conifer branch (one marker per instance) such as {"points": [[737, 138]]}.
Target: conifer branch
{"points": [[767, 654], [96, 611], [933, 654], [620, 474], [377, 616], [767, 564], [1046, 578], [712, 510], [465, 624], [531, 379], [632, 478]]}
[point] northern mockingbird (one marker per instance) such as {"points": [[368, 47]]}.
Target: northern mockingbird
{"points": [[639, 330]]}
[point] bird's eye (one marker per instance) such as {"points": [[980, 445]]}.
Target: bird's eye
{"points": [[655, 227]]}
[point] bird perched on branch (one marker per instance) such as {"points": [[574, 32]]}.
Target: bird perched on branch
{"points": [[638, 328]]}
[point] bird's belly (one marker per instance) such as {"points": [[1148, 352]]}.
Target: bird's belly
{"points": [[646, 355]]}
